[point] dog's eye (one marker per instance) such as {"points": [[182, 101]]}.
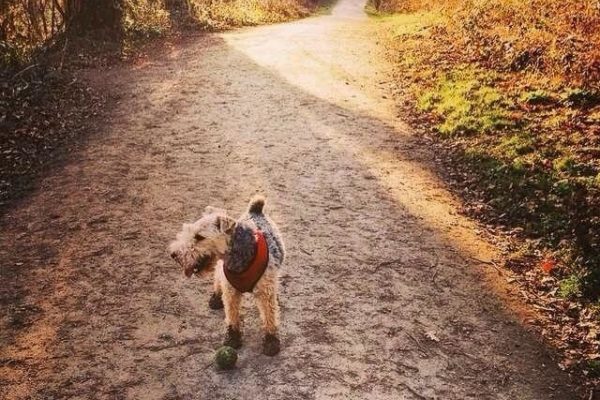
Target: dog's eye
{"points": [[199, 237]]}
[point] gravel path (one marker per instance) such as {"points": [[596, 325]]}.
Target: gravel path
{"points": [[382, 296]]}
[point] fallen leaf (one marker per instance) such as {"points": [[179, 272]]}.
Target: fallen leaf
{"points": [[431, 336], [548, 265]]}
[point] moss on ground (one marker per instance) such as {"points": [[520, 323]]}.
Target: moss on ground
{"points": [[466, 103], [570, 287]]}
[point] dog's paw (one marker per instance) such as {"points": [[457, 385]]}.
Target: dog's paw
{"points": [[215, 302], [271, 345], [233, 338]]}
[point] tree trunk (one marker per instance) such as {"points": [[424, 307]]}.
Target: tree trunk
{"points": [[94, 17]]}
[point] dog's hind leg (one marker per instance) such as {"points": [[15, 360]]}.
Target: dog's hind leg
{"points": [[232, 300], [266, 300]]}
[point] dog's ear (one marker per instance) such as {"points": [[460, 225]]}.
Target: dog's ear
{"points": [[225, 224]]}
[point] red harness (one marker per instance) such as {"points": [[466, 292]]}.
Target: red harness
{"points": [[246, 280]]}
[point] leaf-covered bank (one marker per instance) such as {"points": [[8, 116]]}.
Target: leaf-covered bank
{"points": [[521, 138]]}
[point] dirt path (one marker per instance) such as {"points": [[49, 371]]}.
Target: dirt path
{"points": [[381, 297]]}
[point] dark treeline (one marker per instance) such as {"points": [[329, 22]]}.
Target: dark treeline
{"points": [[25, 25], [30, 26]]}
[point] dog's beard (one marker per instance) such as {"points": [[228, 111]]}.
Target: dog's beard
{"points": [[201, 265]]}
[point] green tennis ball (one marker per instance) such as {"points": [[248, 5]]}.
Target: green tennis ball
{"points": [[226, 357]]}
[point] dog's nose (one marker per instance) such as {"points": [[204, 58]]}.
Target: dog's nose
{"points": [[173, 255]]}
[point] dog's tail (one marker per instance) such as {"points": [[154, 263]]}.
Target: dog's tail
{"points": [[256, 204]]}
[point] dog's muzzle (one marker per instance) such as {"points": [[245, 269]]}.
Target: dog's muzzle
{"points": [[199, 265]]}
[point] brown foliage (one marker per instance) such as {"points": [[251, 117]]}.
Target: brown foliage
{"points": [[560, 38], [26, 24], [535, 177]]}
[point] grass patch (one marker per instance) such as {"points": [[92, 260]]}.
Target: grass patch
{"points": [[570, 287], [509, 185], [515, 146], [404, 24], [593, 367], [564, 164], [466, 103]]}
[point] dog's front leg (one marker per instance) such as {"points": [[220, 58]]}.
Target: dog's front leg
{"points": [[232, 300], [216, 302]]}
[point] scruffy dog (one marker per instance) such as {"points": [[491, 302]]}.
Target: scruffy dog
{"points": [[245, 255]]}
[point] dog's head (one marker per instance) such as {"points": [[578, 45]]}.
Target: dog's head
{"points": [[199, 245]]}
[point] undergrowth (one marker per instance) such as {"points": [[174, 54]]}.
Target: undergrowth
{"points": [[30, 28], [531, 143], [512, 91], [223, 14], [557, 37]]}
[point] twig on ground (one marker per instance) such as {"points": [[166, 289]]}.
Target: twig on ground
{"points": [[62, 57], [388, 263], [471, 356], [435, 265], [481, 261], [413, 392], [158, 347], [305, 251], [24, 70], [325, 367], [497, 268], [491, 263], [416, 341], [406, 366]]}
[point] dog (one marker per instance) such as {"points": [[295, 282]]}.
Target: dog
{"points": [[245, 255]]}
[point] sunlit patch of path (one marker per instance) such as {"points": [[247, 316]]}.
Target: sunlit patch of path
{"points": [[335, 58]]}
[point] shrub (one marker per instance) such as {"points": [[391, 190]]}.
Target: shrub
{"points": [[145, 18]]}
